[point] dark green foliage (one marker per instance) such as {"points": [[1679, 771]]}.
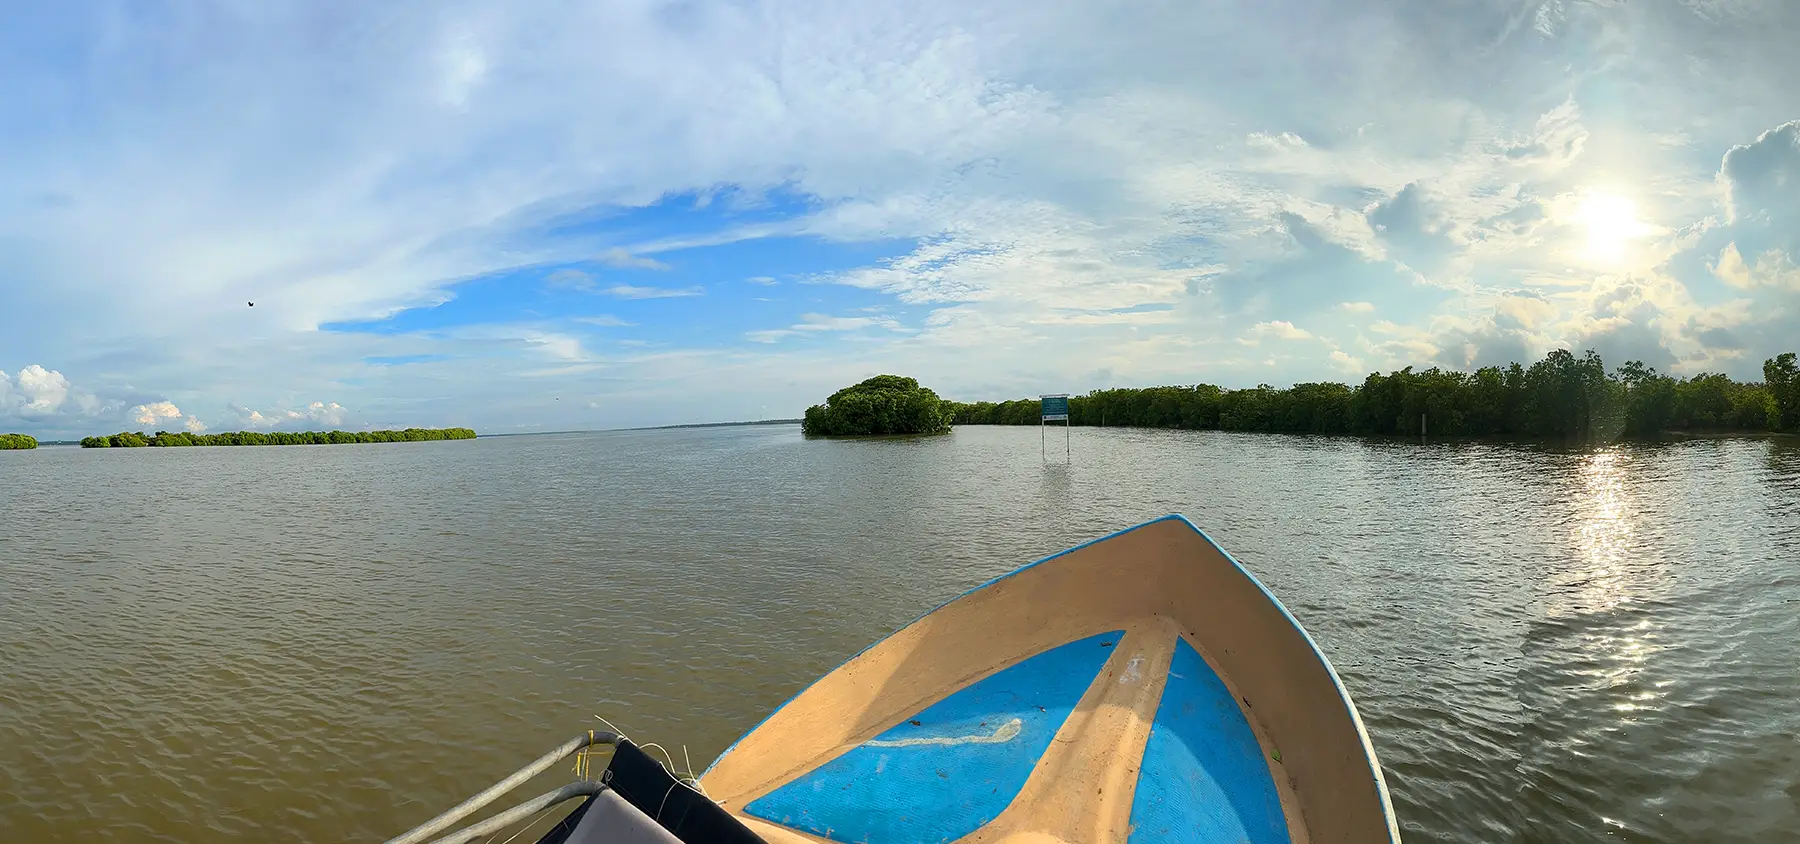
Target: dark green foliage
{"points": [[1562, 397], [165, 439], [885, 404], [1781, 378], [17, 441]]}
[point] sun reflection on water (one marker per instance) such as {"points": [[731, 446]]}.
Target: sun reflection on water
{"points": [[1609, 580]]}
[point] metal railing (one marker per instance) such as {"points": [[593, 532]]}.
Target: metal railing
{"points": [[424, 831]]}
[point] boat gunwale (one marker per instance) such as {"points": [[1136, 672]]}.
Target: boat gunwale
{"points": [[1337, 683]]}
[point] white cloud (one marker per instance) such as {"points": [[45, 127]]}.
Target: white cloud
{"points": [[45, 400], [1529, 311], [1345, 362], [1357, 307], [762, 279], [1773, 269], [1762, 178], [463, 65], [569, 278], [631, 291], [43, 390], [1281, 329], [329, 413], [312, 415], [557, 346], [155, 412], [618, 257], [823, 322], [1281, 142], [814, 322], [1557, 140], [605, 321]]}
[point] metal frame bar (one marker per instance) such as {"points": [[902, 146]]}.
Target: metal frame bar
{"points": [[493, 792], [580, 788]]}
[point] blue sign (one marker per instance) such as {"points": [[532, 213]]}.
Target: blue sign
{"points": [[1055, 408]]}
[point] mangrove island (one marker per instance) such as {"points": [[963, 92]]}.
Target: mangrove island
{"points": [[166, 439], [17, 441], [883, 405]]}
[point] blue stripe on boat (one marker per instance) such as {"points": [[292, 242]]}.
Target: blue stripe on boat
{"points": [[950, 769], [1203, 778]]}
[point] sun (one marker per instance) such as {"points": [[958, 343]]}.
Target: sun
{"points": [[1612, 225]]}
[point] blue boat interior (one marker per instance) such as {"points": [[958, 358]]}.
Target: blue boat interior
{"points": [[953, 767]]}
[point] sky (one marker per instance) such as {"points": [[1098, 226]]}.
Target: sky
{"points": [[539, 215]]}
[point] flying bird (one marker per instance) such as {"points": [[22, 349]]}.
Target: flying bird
{"points": [[252, 304]]}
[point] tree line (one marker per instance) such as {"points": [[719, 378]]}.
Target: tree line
{"points": [[165, 439], [17, 441], [1560, 397]]}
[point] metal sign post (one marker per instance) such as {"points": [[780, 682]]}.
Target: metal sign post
{"points": [[1055, 406]]}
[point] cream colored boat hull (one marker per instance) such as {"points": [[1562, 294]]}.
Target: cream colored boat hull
{"points": [[1143, 687]]}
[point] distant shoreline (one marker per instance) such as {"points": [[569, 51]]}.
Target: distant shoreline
{"points": [[713, 425], [645, 428]]}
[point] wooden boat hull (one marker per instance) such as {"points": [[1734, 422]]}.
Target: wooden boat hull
{"points": [[1142, 687]]}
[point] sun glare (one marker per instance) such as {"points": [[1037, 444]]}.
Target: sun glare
{"points": [[1612, 224]]}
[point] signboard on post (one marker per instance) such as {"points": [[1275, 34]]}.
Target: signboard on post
{"points": [[1055, 408]]}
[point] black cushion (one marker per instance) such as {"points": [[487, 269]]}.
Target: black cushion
{"points": [[647, 785]]}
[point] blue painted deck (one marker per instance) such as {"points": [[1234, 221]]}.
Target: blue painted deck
{"points": [[1203, 778], [950, 769]]}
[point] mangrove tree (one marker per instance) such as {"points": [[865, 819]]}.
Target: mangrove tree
{"points": [[885, 404]]}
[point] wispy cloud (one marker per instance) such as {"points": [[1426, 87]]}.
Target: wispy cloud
{"points": [[569, 279], [823, 322], [617, 257], [558, 346], [605, 321], [631, 291], [816, 323]]}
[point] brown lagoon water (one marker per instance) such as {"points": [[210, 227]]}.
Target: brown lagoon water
{"points": [[335, 642]]}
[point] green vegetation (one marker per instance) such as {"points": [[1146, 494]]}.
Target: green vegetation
{"points": [[885, 404], [17, 441], [1560, 397], [165, 439]]}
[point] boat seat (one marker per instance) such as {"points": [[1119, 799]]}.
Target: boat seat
{"points": [[644, 804], [606, 818]]}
